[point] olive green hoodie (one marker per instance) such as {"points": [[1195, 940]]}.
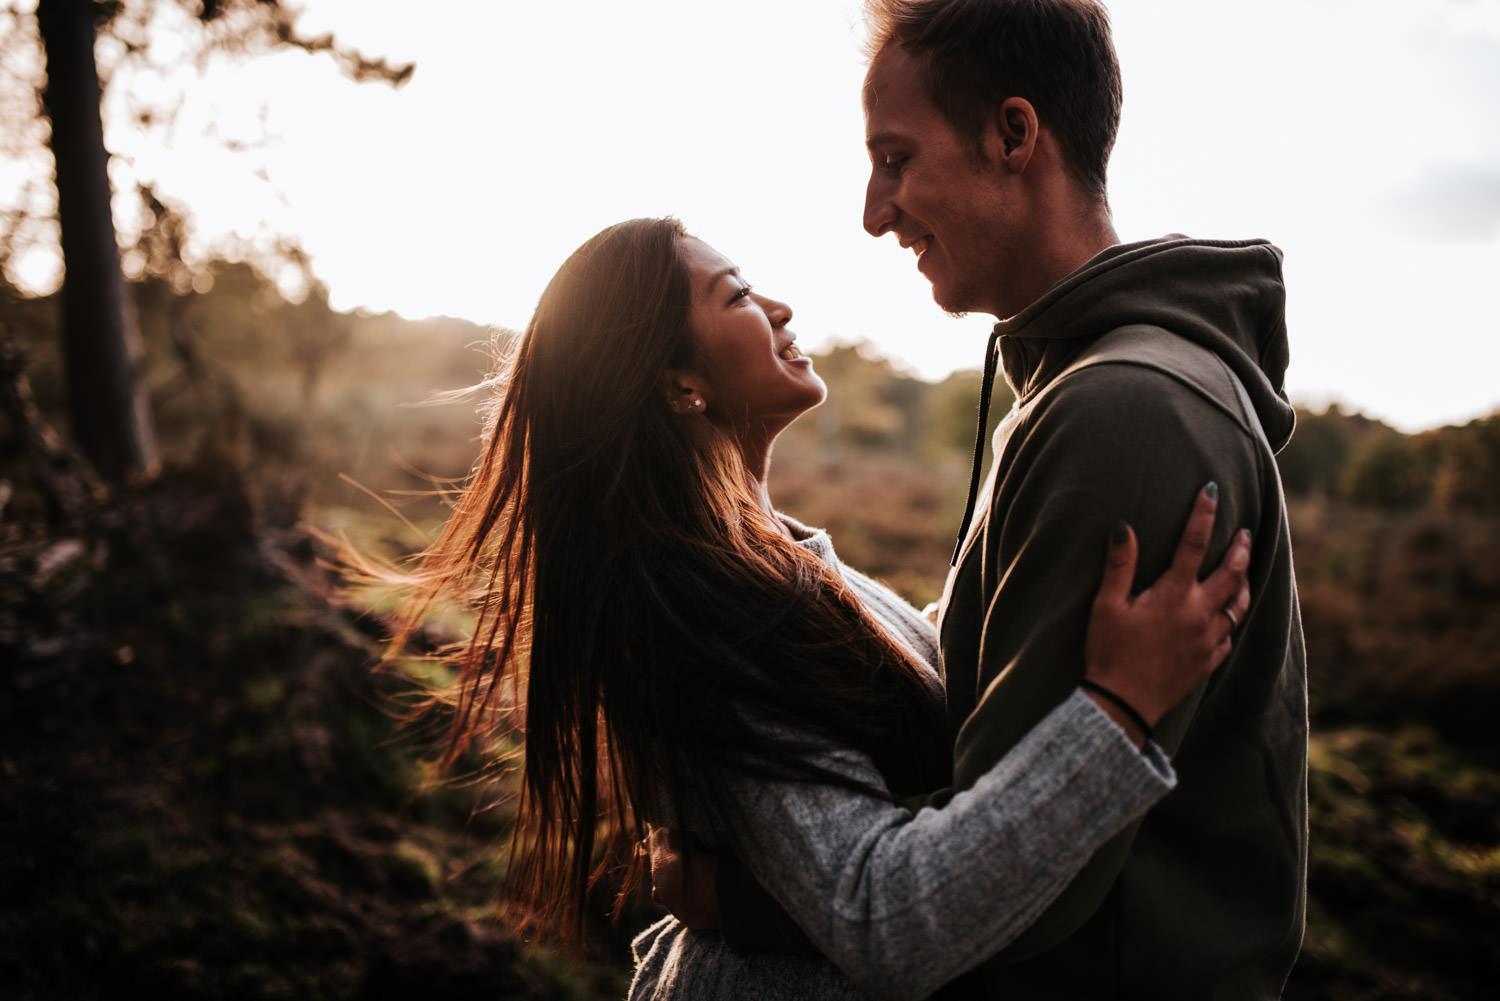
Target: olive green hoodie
{"points": [[1150, 371]]}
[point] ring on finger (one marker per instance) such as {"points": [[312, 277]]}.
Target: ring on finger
{"points": [[1234, 623]]}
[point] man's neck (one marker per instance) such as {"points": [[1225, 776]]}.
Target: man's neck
{"points": [[1067, 261], [1070, 233]]}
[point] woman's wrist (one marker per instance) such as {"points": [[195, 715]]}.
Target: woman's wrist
{"points": [[1120, 710]]}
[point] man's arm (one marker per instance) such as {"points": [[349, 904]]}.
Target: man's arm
{"points": [[1111, 441]]}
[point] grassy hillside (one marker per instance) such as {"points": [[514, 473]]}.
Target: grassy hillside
{"points": [[207, 793]]}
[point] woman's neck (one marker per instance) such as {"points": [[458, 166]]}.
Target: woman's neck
{"points": [[757, 457]]}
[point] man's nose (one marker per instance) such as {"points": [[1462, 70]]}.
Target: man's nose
{"points": [[880, 214]]}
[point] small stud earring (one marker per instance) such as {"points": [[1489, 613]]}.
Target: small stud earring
{"points": [[695, 404]]}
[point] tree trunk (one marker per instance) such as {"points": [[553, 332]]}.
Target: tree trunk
{"points": [[101, 345]]}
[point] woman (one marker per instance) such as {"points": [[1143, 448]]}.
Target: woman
{"points": [[686, 655]]}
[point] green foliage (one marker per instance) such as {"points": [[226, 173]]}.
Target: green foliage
{"points": [[1465, 463], [954, 406], [1389, 473], [1402, 618], [1312, 462], [1405, 866], [297, 396], [1350, 457]]}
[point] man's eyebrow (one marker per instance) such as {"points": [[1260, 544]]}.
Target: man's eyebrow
{"points": [[881, 139]]}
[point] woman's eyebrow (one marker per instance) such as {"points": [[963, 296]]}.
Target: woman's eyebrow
{"points": [[713, 279]]}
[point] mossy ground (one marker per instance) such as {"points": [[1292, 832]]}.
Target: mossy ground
{"points": [[207, 793]]}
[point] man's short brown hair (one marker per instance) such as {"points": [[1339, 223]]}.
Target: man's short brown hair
{"points": [[1057, 54]]}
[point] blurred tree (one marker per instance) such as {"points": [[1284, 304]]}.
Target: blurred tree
{"points": [[101, 347], [1313, 461], [314, 333], [1466, 461], [953, 411], [874, 407], [866, 405], [1389, 472]]}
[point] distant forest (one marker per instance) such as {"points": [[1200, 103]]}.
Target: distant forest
{"points": [[282, 386]]}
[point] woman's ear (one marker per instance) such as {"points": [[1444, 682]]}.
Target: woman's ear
{"points": [[681, 390]]}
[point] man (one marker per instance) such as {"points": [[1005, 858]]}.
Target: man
{"points": [[1140, 371]]}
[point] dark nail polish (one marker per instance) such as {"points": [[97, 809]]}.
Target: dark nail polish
{"points": [[1120, 533], [1211, 489]]}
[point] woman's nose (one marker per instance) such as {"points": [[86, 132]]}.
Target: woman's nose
{"points": [[778, 312]]}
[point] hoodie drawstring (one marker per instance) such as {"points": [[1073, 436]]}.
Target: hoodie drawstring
{"points": [[990, 361]]}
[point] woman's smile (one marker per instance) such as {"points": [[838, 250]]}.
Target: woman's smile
{"points": [[747, 366]]}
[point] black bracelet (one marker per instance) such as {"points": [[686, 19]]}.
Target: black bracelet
{"points": [[1125, 707]]}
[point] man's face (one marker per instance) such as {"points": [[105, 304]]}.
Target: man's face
{"points": [[927, 187]]}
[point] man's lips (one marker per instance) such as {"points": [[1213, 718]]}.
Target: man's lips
{"points": [[919, 245]]}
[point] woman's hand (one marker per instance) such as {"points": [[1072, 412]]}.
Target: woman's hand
{"points": [[1152, 649]]}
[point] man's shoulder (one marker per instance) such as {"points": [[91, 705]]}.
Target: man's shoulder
{"points": [[1134, 371], [1152, 349]]}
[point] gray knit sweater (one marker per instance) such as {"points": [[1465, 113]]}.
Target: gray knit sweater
{"points": [[901, 903]]}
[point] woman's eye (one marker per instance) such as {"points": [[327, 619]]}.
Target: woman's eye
{"points": [[740, 293]]}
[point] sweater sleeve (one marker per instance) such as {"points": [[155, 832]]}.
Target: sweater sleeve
{"points": [[1070, 471], [903, 902]]}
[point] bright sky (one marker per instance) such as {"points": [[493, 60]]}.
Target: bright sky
{"points": [[1362, 136]]}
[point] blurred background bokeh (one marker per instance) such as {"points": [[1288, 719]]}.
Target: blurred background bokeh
{"points": [[204, 789]]}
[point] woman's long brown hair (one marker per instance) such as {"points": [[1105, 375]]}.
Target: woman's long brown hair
{"points": [[635, 603]]}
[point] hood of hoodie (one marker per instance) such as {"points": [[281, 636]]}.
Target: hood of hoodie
{"points": [[1227, 296]]}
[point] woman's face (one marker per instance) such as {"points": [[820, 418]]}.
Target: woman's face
{"points": [[747, 370]]}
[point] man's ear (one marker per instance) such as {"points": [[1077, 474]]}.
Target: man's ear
{"points": [[681, 389], [1013, 136]]}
